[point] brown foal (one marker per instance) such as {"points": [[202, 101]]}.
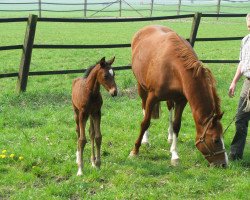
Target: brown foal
{"points": [[87, 102]]}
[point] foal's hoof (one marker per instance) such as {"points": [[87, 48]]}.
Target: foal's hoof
{"points": [[133, 154], [175, 162], [79, 173]]}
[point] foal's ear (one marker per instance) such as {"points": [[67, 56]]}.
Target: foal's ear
{"points": [[102, 62], [110, 62]]}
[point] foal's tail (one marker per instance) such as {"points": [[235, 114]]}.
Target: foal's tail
{"points": [[156, 111]]}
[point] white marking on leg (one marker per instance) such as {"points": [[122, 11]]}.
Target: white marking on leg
{"points": [[170, 128], [146, 133], [223, 146], [77, 157], [173, 150], [79, 172]]}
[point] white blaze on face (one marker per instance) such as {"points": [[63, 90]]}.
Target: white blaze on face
{"points": [[223, 146], [111, 72]]}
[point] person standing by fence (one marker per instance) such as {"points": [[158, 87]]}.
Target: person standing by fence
{"points": [[243, 112]]}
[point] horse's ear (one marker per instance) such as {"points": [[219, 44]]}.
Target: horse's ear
{"points": [[102, 62], [110, 62], [219, 116]]}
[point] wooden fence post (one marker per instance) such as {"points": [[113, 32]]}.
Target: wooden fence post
{"points": [[120, 8], [218, 8], [26, 55], [40, 8], [179, 7], [194, 29], [85, 8], [152, 7]]}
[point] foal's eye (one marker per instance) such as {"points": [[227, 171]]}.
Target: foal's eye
{"points": [[106, 76]]}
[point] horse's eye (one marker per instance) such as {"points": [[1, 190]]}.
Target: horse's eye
{"points": [[217, 141]]}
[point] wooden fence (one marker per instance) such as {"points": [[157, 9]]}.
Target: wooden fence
{"points": [[24, 69], [86, 8]]}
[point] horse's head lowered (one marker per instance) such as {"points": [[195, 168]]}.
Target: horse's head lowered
{"points": [[210, 142], [106, 76]]}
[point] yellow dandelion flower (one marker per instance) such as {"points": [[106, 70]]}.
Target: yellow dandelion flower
{"points": [[20, 158], [12, 155], [3, 156], [4, 151]]}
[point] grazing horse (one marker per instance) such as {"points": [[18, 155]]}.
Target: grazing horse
{"points": [[167, 69], [87, 101]]}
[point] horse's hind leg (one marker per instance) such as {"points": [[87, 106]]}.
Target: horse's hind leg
{"points": [[81, 141], [98, 137], [176, 127], [92, 139], [143, 94], [170, 105], [150, 102]]}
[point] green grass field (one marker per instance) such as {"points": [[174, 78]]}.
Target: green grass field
{"points": [[38, 140]]}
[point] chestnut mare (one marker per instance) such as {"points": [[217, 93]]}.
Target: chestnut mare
{"points": [[167, 69], [87, 101]]}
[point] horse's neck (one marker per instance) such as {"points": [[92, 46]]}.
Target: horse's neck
{"points": [[91, 82], [202, 105]]}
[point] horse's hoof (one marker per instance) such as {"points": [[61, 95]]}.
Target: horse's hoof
{"points": [[175, 162], [145, 143], [170, 141]]}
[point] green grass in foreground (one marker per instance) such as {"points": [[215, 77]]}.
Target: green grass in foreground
{"points": [[38, 125]]}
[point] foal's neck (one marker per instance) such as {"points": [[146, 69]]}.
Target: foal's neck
{"points": [[92, 83]]}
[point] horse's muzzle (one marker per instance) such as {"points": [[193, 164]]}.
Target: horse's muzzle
{"points": [[113, 92]]}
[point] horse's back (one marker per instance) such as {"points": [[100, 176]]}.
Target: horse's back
{"points": [[153, 56]]}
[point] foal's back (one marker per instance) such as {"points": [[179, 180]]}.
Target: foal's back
{"points": [[79, 92]]}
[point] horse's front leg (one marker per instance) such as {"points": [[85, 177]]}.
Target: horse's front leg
{"points": [[176, 128], [98, 137], [150, 102], [170, 105], [81, 141]]}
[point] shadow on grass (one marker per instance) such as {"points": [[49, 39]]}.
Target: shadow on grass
{"points": [[38, 99]]}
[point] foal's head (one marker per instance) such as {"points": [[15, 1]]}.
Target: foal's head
{"points": [[106, 76], [211, 144]]}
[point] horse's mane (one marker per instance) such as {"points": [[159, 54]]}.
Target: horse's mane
{"points": [[191, 62]]}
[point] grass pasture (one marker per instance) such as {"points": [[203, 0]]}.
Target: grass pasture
{"points": [[38, 140]]}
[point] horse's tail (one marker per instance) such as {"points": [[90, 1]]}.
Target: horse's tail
{"points": [[156, 111]]}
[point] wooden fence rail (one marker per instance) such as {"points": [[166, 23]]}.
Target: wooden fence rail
{"points": [[30, 33]]}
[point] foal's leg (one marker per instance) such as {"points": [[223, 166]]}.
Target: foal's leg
{"points": [[81, 141], [98, 137], [143, 94], [176, 127], [170, 105], [92, 139], [150, 102], [76, 116]]}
